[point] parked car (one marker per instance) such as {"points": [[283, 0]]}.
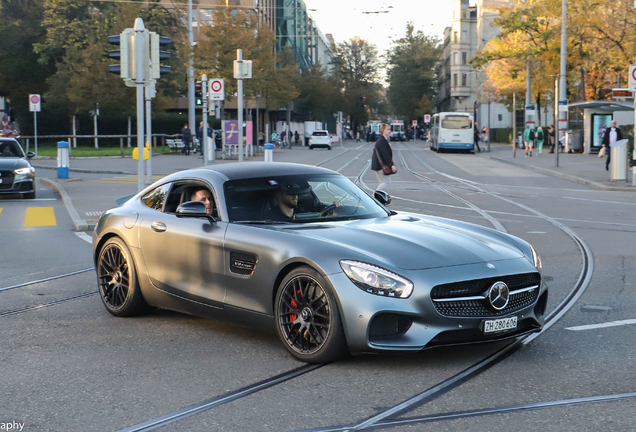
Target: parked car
{"points": [[320, 138], [304, 252], [17, 176]]}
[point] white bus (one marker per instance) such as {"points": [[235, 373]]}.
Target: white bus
{"points": [[452, 130], [397, 130]]}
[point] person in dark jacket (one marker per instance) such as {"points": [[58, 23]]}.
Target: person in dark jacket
{"points": [[383, 148], [476, 137], [611, 135], [187, 138]]}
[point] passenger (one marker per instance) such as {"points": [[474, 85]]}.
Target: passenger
{"points": [[203, 194]]}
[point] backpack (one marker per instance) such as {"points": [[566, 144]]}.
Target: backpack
{"points": [[540, 135], [531, 135]]}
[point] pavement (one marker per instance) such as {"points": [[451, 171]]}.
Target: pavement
{"points": [[110, 178]]}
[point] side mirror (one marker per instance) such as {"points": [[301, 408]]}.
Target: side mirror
{"points": [[383, 197], [193, 209], [30, 155]]}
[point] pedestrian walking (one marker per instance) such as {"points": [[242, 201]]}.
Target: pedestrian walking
{"points": [[358, 136], [199, 137], [540, 137], [187, 138], [551, 137], [528, 136], [485, 137], [382, 158], [296, 137], [476, 137], [611, 135]]}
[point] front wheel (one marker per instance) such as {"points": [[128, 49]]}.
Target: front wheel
{"points": [[308, 319], [117, 279]]}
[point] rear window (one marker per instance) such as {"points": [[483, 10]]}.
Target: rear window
{"points": [[456, 122], [319, 133]]}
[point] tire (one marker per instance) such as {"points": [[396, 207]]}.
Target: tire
{"points": [[117, 280], [307, 317]]}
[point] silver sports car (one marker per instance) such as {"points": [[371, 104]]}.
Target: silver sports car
{"points": [[306, 253]]}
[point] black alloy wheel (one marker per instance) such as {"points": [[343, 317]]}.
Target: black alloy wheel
{"points": [[308, 319], [117, 279]]}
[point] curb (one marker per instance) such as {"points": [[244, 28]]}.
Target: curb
{"points": [[564, 176], [86, 171], [79, 223]]}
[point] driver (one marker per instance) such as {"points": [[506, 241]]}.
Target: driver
{"points": [[203, 194]]}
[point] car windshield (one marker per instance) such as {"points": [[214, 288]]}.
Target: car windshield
{"points": [[319, 134], [10, 149], [456, 122], [299, 199]]}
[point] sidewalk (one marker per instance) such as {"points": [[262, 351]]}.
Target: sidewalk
{"points": [[586, 169]]}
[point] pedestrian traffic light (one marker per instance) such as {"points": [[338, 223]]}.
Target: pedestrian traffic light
{"points": [[156, 55], [198, 94], [125, 53]]}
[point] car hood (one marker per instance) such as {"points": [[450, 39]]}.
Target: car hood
{"points": [[12, 163], [413, 243]]}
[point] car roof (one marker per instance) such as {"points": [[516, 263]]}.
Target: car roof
{"points": [[243, 170]]}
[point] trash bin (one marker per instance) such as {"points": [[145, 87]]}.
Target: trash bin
{"points": [[618, 166], [576, 140], [520, 140]]}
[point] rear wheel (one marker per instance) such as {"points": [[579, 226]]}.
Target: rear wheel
{"points": [[117, 279], [308, 319]]}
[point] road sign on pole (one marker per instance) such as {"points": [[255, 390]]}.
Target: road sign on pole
{"points": [[632, 78], [35, 103], [414, 122], [217, 89]]}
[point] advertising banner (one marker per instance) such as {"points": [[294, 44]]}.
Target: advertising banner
{"points": [[231, 131]]}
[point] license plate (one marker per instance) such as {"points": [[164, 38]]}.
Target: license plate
{"points": [[500, 325]]}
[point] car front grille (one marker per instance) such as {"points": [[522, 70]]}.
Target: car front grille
{"points": [[7, 180], [521, 296]]}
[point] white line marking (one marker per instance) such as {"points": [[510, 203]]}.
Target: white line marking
{"points": [[602, 325], [537, 232], [84, 237], [601, 201]]}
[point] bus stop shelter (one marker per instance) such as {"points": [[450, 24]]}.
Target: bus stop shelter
{"points": [[597, 115]]}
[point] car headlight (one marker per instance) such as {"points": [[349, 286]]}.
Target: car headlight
{"points": [[23, 171], [536, 259], [376, 280]]}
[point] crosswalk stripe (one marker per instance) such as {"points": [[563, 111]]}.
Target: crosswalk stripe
{"points": [[40, 216], [0, 210]]}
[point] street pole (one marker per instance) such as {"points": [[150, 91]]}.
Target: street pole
{"points": [[35, 129], [529, 113], [96, 112], [488, 134], [514, 125], [139, 81], [556, 119], [239, 58], [191, 105], [204, 95], [149, 95], [563, 122]]}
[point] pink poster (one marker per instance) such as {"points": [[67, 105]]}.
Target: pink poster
{"points": [[248, 132]]}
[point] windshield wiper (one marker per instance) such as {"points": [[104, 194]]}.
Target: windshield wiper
{"points": [[264, 222]]}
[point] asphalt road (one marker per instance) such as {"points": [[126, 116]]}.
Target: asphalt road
{"points": [[71, 366]]}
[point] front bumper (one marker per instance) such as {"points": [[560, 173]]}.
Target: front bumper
{"points": [[374, 323], [20, 186]]}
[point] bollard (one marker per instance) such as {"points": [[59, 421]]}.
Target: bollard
{"points": [[62, 160], [269, 152]]}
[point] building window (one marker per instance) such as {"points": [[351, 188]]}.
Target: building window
{"points": [[455, 59], [464, 56], [464, 37], [455, 37], [464, 78], [206, 17], [454, 80]]}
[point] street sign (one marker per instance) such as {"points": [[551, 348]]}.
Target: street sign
{"points": [[242, 69], [217, 89], [35, 103], [414, 123], [632, 78], [427, 118]]}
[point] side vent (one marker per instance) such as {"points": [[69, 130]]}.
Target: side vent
{"points": [[242, 263]]}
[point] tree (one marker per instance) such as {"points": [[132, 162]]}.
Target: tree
{"points": [[319, 93], [356, 67], [411, 75]]}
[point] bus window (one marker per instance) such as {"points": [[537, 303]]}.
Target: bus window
{"points": [[456, 122]]}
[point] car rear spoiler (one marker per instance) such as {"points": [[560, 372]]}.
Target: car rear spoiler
{"points": [[123, 199]]}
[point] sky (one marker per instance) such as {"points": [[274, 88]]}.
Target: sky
{"points": [[345, 19]]}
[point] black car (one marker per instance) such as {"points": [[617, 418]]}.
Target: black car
{"points": [[17, 176]]}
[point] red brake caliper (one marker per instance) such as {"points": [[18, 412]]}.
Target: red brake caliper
{"points": [[294, 317]]}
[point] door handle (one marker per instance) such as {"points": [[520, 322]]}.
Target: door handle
{"points": [[158, 226]]}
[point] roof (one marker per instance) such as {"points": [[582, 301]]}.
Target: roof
{"points": [[242, 170], [604, 105]]}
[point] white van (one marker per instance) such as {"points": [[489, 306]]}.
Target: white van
{"points": [[452, 131]]}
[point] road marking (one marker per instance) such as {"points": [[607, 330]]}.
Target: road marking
{"points": [[601, 201], [95, 213], [537, 232], [40, 216], [84, 237], [0, 210], [602, 325]]}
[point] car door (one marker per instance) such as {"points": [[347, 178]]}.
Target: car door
{"points": [[184, 256]]}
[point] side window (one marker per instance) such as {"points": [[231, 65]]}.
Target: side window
{"points": [[183, 192], [156, 197]]}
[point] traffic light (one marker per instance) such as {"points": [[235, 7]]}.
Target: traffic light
{"points": [[156, 55], [125, 53], [198, 93]]}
